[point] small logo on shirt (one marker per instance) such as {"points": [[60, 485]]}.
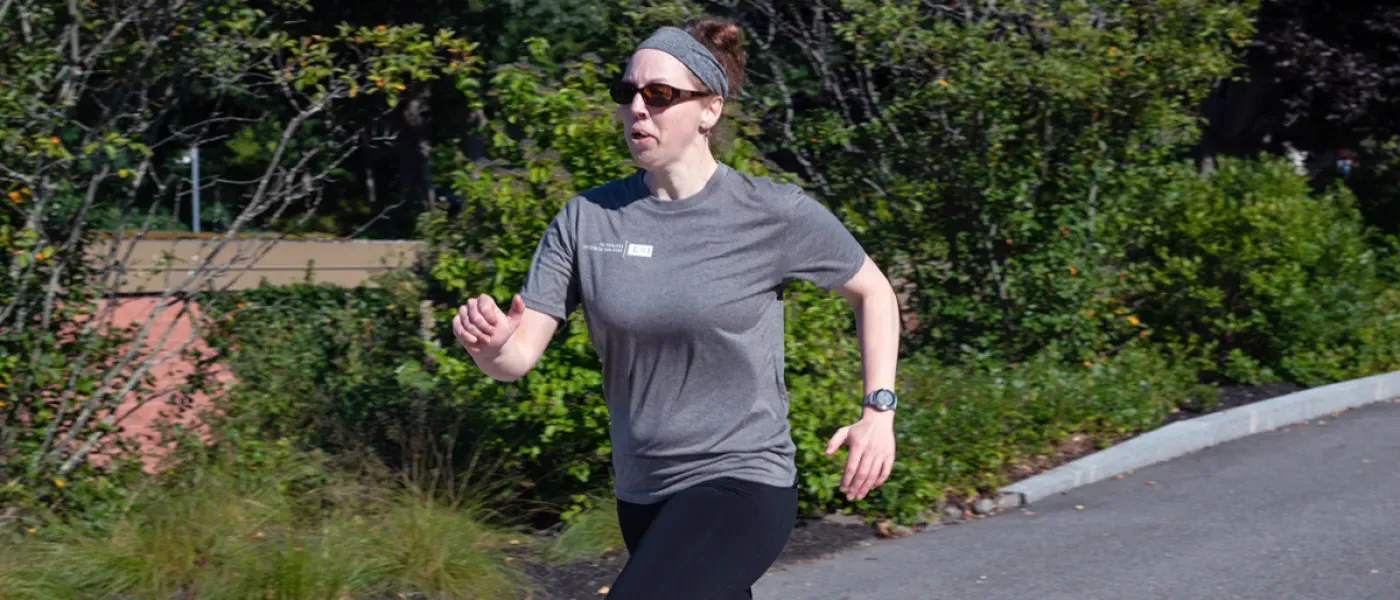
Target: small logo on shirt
{"points": [[625, 248]]}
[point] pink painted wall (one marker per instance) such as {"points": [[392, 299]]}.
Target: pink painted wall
{"points": [[143, 411]]}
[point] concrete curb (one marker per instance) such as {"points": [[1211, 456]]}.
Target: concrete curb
{"points": [[1184, 437]]}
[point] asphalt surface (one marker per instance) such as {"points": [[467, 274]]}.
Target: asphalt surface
{"points": [[1308, 513]]}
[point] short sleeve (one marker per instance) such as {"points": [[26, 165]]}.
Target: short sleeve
{"points": [[818, 247], [552, 285]]}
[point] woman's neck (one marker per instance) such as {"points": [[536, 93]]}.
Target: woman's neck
{"points": [[683, 178]]}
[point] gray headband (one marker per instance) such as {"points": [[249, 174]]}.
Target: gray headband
{"points": [[693, 55]]}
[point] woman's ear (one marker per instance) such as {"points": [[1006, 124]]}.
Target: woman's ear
{"points": [[713, 111]]}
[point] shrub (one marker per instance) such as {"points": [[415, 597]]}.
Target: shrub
{"points": [[329, 367], [1280, 282], [963, 429]]}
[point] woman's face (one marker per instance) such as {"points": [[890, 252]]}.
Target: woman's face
{"points": [[661, 135]]}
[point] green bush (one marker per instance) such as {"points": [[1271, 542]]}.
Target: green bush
{"points": [[1278, 281], [963, 429], [336, 369]]}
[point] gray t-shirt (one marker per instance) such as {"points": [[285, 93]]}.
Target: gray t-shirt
{"points": [[683, 300]]}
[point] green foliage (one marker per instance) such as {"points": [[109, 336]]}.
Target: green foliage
{"points": [[326, 366], [1279, 281], [985, 150], [553, 424], [823, 376], [41, 392], [965, 429]]}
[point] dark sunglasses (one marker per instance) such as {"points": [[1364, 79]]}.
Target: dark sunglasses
{"points": [[653, 94]]}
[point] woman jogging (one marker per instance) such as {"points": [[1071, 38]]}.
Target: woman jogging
{"points": [[679, 270]]}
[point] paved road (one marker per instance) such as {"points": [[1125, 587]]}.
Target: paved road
{"points": [[1312, 513]]}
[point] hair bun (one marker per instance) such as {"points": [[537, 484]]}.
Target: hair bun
{"points": [[725, 39], [724, 35]]}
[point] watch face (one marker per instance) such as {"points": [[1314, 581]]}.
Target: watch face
{"points": [[882, 399]]}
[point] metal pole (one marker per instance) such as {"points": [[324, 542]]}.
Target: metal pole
{"points": [[194, 180]]}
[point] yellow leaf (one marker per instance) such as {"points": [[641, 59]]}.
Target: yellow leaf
{"points": [[58, 482], [398, 86], [15, 197], [1133, 320], [123, 173]]}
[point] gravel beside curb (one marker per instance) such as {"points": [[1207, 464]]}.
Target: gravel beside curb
{"points": [[1191, 435]]}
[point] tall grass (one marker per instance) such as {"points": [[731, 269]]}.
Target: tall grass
{"points": [[588, 535], [290, 533]]}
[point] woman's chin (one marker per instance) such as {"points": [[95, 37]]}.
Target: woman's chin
{"points": [[646, 158]]}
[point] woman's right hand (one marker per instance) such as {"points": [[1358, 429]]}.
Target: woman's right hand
{"points": [[482, 328]]}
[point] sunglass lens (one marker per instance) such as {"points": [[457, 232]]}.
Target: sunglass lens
{"points": [[657, 95], [622, 92]]}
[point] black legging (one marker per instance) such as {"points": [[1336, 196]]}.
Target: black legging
{"points": [[708, 542]]}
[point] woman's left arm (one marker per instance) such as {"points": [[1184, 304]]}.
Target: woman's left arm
{"points": [[871, 439]]}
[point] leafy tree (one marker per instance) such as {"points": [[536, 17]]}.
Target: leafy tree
{"points": [[99, 99], [990, 152], [392, 178]]}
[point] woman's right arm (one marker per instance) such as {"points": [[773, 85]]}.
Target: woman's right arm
{"points": [[505, 346]]}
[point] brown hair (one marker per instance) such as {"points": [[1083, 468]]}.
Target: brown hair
{"points": [[725, 40]]}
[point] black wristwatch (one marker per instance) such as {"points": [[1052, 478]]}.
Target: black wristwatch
{"points": [[881, 400]]}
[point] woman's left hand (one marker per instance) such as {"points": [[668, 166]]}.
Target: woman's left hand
{"points": [[871, 456]]}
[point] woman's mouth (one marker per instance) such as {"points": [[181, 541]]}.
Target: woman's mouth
{"points": [[638, 137]]}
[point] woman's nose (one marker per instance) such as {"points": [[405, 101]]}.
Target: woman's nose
{"points": [[638, 106]]}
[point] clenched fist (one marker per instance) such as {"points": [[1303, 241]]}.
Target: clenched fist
{"points": [[482, 328]]}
